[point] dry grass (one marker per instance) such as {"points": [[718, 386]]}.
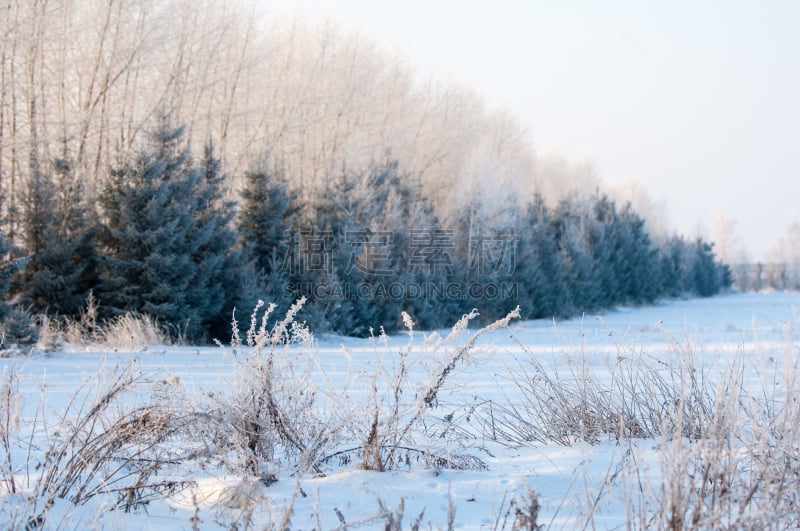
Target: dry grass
{"points": [[727, 433], [396, 411], [276, 414], [743, 469], [729, 446], [639, 396], [125, 332], [270, 414], [129, 331], [101, 444]]}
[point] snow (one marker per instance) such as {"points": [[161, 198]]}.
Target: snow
{"points": [[567, 479]]}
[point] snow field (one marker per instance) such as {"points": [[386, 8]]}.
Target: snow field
{"points": [[593, 477]]}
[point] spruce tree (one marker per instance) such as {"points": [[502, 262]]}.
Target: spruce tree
{"points": [[17, 325], [671, 267], [362, 227], [425, 250], [320, 256], [60, 261], [266, 217], [640, 267], [606, 245], [165, 238], [581, 273], [7, 270], [623, 254], [216, 260], [704, 273], [543, 292], [393, 247], [267, 231]]}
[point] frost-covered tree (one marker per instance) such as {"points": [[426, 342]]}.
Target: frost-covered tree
{"points": [[369, 248], [397, 248], [691, 268], [607, 257], [146, 264], [17, 325], [58, 227], [215, 256], [607, 247], [540, 273], [7, 270], [266, 219], [703, 272], [485, 258], [786, 251], [672, 267], [638, 261], [624, 256], [574, 223], [321, 96], [166, 244]]}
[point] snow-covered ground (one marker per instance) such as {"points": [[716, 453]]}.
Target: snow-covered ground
{"points": [[584, 482]]}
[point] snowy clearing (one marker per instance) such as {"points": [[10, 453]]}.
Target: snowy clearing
{"points": [[475, 451]]}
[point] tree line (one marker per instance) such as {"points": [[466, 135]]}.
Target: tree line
{"points": [[163, 239], [335, 173], [87, 78]]}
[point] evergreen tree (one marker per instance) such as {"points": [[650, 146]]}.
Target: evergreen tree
{"points": [[425, 252], [671, 267], [606, 245], [703, 271], [725, 275], [326, 246], [691, 268], [165, 239], [623, 254], [539, 271], [640, 268], [7, 270], [371, 246], [368, 227], [17, 325], [266, 220], [60, 268], [581, 274], [218, 263]]}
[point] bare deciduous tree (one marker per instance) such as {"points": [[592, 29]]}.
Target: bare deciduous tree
{"points": [[87, 77]]}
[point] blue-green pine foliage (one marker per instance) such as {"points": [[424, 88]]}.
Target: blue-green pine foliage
{"points": [[266, 222], [59, 228], [7, 270], [540, 271], [365, 249], [166, 243], [216, 258]]}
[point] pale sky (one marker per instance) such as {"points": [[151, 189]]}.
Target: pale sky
{"points": [[697, 100]]}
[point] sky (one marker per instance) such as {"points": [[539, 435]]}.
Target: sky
{"points": [[696, 100]]}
